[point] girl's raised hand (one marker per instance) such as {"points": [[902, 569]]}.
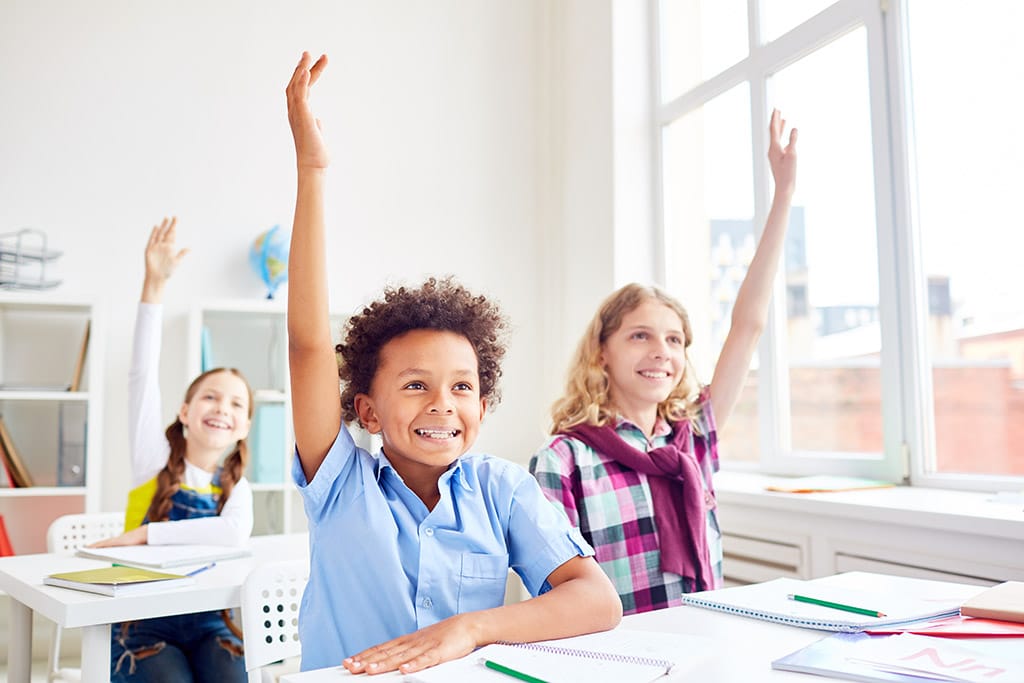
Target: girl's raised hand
{"points": [[161, 256], [310, 149], [782, 159]]}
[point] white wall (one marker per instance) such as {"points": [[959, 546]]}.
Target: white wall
{"points": [[119, 112]]}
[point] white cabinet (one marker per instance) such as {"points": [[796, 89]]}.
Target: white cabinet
{"points": [[251, 335], [51, 383]]}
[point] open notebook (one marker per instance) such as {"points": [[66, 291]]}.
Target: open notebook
{"points": [[164, 556], [902, 600], [617, 656]]}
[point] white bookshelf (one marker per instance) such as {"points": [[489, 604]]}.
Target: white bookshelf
{"points": [[56, 432], [251, 335]]}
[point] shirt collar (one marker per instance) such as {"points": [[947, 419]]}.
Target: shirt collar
{"points": [[661, 427], [455, 470]]}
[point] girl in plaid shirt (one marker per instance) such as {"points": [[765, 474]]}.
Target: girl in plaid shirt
{"points": [[633, 443]]}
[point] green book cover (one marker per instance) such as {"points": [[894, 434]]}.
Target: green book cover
{"points": [[117, 580]]}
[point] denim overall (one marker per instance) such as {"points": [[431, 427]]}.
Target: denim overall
{"points": [[184, 647]]}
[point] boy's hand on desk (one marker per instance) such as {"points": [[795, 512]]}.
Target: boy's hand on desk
{"points": [[137, 536], [445, 640]]}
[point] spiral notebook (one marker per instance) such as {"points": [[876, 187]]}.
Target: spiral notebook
{"points": [[902, 600], [617, 656]]}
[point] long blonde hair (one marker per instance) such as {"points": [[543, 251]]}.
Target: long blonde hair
{"points": [[169, 478], [586, 399]]}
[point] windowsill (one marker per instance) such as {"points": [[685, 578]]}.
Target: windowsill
{"points": [[940, 509]]}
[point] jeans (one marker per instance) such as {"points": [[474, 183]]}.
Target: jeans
{"points": [[176, 649]]}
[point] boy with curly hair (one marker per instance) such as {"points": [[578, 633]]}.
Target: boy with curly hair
{"points": [[410, 549]]}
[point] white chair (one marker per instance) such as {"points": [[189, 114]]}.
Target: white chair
{"points": [[270, 618], [66, 535]]}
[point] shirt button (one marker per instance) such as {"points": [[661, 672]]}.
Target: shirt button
{"points": [[429, 531], [428, 603]]}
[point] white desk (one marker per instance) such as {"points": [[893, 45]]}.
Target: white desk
{"points": [[743, 648], [749, 646], [21, 577]]}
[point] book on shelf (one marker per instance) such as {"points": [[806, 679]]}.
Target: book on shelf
{"points": [[205, 350], [164, 556], [616, 656], [5, 541], [117, 581], [15, 466], [1004, 602], [30, 386], [6, 480], [266, 441], [72, 428], [76, 376], [906, 658], [892, 600]]}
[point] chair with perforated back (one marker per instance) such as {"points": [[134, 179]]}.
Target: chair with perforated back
{"points": [[270, 618], [66, 535]]}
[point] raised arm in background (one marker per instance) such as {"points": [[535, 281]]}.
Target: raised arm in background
{"points": [[750, 311]]}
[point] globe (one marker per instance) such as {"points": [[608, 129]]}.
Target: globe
{"points": [[268, 256]]}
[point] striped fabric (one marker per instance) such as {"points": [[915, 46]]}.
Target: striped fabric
{"points": [[612, 507]]}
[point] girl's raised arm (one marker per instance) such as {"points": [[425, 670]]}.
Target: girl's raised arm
{"points": [[750, 311], [316, 403]]}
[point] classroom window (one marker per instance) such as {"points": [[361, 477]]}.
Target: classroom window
{"points": [[896, 344]]}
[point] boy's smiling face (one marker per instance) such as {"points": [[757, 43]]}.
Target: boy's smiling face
{"points": [[424, 401]]}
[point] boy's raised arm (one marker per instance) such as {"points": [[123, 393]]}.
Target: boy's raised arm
{"points": [[316, 404]]}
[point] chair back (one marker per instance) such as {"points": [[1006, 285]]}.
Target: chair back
{"points": [[71, 532], [271, 595]]}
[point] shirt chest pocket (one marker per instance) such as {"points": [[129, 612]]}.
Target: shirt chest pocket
{"points": [[482, 581]]}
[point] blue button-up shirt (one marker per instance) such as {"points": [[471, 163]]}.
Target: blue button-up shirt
{"points": [[382, 565]]}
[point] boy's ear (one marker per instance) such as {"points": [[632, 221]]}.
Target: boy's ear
{"points": [[367, 414], [483, 408]]}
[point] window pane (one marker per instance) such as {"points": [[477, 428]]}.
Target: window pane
{"points": [[970, 171], [699, 38], [831, 263], [708, 220], [780, 16]]}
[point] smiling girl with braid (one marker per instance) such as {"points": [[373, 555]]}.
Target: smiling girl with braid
{"points": [[182, 493]]}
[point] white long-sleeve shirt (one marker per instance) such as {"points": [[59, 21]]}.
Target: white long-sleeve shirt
{"points": [[150, 449]]}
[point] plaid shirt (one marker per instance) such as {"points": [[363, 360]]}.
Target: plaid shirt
{"points": [[612, 506]]}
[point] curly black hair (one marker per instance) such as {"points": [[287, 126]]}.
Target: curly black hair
{"points": [[442, 305]]}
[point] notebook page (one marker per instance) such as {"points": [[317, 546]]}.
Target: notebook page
{"points": [[160, 556], [558, 666]]}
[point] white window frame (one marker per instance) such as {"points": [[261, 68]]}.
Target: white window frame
{"points": [[907, 399]]}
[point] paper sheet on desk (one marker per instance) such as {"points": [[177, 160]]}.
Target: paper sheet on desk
{"points": [[840, 656], [938, 658], [164, 556]]}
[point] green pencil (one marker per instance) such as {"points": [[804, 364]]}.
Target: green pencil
{"points": [[836, 605], [512, 672]]}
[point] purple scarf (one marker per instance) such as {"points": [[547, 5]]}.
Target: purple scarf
{"points": [[677, 493]]}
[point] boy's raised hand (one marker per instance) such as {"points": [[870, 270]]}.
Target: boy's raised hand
{"points": [[310, 149], [782, 159]]}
